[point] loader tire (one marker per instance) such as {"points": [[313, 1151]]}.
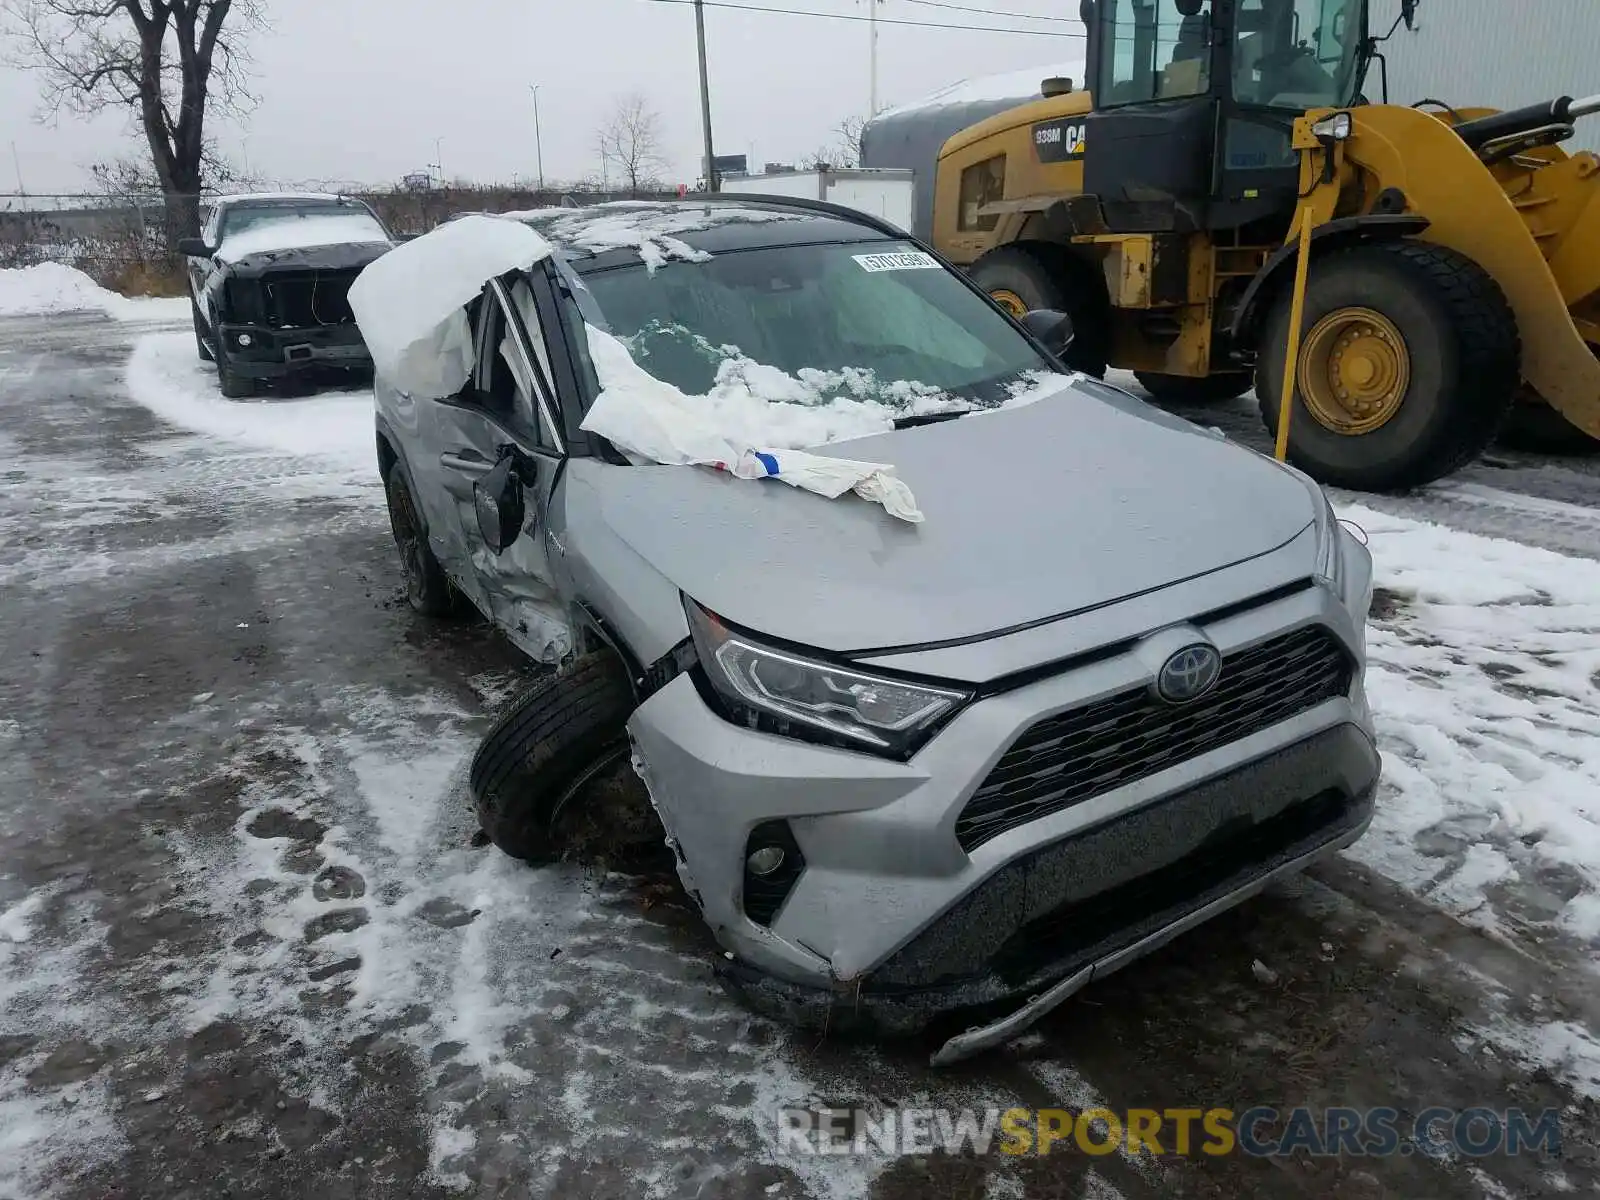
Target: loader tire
{"points": [[542, 751], [1536, 428], [1461, 349], [1208, 389], [1045, 276]]}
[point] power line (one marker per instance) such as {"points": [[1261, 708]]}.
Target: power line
{"points": [[996, 12], [806, 12]]}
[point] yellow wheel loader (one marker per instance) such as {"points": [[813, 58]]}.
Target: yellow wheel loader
{"points": [[1452, 256]]}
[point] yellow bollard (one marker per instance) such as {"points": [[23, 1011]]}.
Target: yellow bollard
{"points": [[1297, 312]]}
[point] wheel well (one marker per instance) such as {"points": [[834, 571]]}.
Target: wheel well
{"points": [[1328, 238], [386, 458]]}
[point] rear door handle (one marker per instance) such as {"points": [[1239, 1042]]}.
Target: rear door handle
{"points": [[468, 462]]}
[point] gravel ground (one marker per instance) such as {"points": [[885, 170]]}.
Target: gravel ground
{"points": [[249, 947]]}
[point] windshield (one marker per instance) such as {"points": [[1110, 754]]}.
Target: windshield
{"points": [[1298, 54], [877, 322], [246, 217]]}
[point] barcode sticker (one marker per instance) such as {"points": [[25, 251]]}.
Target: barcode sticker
{"points": [[901, 260]]}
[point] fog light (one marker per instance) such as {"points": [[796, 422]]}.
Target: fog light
{"points": [[765, 860], [244, 339]]}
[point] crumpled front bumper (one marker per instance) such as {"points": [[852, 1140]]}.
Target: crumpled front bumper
{"points": [[892, 924]]}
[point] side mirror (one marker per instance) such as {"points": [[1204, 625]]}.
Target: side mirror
{"points": [[195, 247], [497, 499], [1052, 328]]}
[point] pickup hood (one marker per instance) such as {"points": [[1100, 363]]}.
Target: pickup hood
{"points": [[1070, 503], [350, 256]]}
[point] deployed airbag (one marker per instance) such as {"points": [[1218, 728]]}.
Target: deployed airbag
{"points": [[410, 304]]}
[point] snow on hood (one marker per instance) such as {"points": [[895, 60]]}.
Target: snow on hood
{"points": [[290, 232], [654, 230], [410, 303], [1015, 85], [654, 422]]}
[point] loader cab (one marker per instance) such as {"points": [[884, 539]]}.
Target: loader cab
{"points": [[1195, 102]]}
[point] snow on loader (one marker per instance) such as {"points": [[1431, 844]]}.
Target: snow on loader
{"points": [[1451, 256]]}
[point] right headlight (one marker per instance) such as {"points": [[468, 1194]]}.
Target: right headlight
{"points": [[792, 694]]}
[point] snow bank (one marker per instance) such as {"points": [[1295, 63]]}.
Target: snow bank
{"points": [[55, 288], [1014, 85], [1482, 662], [736, 429], [410, 303], [166, 377], [290, 232]]}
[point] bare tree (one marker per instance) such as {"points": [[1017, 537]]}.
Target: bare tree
{"points": [[168, 62], [844, 151], [630, 140]]}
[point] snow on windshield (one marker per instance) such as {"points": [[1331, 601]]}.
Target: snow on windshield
{"points": [[654, 230], [293, 232]]}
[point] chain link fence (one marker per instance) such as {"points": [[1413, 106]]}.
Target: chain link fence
{"points": [[125, 242]]}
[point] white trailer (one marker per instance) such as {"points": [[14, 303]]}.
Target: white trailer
{"points": [[889, 194]]}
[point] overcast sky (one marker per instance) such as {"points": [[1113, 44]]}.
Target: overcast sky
{"points": [[357, 90]]}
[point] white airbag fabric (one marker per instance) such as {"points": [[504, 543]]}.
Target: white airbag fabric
{"points": [[652, 421], [409, 303]]}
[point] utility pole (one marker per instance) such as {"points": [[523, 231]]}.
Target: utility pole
{"points": [[438, 159], [17, 163], [538, 137], [705, 96], [872, 9]]}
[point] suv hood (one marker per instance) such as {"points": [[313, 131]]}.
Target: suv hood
{"points": [[1070, 503]]}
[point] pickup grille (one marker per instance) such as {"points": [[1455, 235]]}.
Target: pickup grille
{"points": [[1076, 755]]}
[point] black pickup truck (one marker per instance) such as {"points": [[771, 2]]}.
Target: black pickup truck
{"points": [[269, 279]]}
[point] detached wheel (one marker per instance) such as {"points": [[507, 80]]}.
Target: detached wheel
{"points": [[1182, 389], [428, 588], [234, 385], [200, 333], [1409, 363], [1044, 276], [528, 775]]}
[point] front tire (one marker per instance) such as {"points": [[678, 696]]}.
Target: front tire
{"points": [[543, 751], [1044, 276], [232, 384], [1182, 389], [1409, 364], [428, 588], [200, 345]]}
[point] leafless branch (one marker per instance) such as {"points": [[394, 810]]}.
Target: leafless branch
{"points": [[630, 140]]}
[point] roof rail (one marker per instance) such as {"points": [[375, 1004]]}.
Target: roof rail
{"points": [[821, 207]]}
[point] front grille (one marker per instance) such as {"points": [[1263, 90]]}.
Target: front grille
{"points": [[1074, 756]]}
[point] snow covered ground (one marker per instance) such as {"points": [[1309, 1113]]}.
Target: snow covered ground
{"points": [[256, 925], [54, 288]]}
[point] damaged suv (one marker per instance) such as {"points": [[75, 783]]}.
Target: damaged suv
{"points": [[1018, 680], [268, 278]]}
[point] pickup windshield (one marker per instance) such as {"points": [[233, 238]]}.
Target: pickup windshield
{"points": [[877, 321]]}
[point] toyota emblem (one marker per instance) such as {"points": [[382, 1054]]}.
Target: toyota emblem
{"points": [[1189, 674]]}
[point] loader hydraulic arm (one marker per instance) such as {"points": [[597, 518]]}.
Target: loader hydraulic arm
{"points": [[1562, 112]]}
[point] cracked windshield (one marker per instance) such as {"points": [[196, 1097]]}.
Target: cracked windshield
{"points": [[878, 323]]}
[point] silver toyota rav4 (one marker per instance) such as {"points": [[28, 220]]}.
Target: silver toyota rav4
{"points": [[940, 774]]}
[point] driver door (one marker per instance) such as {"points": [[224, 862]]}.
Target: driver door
{"points": [[506, 411]]}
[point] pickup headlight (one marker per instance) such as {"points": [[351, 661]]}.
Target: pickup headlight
{"points": [[788, 693]]}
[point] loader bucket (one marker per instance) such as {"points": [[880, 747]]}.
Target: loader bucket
{"points": [[1534, 228]]}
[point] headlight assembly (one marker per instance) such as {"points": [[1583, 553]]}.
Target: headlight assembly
{"points": [[791, 694]]}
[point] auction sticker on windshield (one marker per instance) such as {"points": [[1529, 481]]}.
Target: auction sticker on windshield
{"points": [[903, 260]]}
